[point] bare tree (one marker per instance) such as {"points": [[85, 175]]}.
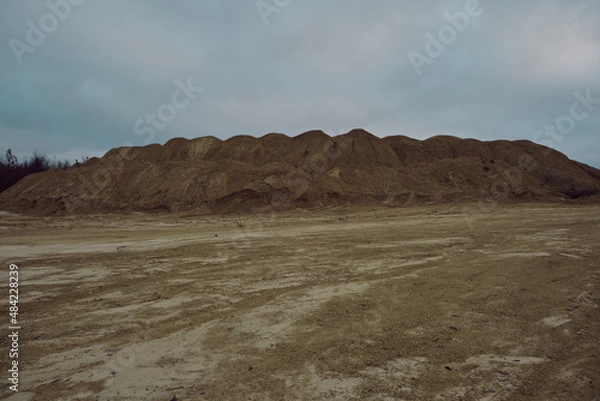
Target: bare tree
{"points": [[63, 165], [11, 159], [39, 162]]}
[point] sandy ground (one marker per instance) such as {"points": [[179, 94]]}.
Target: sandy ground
{"points": [[446, 303]]}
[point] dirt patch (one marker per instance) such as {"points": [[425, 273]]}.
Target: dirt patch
{"points": [[341, 304]]}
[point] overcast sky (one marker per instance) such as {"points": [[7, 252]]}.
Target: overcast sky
{"points": [[80, 77]]}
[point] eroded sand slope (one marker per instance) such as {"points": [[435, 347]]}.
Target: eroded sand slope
{"points": [[310, 171]]}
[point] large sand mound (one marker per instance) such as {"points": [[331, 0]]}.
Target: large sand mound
{"points": [[277, 172]]}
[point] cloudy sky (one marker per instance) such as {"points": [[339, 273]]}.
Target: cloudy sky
{"points": [[80, 77]]}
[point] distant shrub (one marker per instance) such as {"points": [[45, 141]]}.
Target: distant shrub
{"points": [[63, 165], [11, 171]]}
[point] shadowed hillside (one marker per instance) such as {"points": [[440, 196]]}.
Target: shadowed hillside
{"points": [[277, 172]]}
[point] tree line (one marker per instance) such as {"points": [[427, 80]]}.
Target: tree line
{"points": [[12, 171]]}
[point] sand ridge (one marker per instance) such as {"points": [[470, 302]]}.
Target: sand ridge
{"points": [[312, 170]]}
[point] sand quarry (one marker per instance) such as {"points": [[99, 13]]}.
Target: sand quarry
{"points": [[453, 302]]}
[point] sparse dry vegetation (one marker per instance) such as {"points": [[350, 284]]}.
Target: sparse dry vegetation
{"points": [[12, 171]]}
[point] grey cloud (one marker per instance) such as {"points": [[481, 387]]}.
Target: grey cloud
{"points": [[327, 65]]}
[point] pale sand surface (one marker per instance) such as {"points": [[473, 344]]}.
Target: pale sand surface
{"points": [[338, 304]]}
